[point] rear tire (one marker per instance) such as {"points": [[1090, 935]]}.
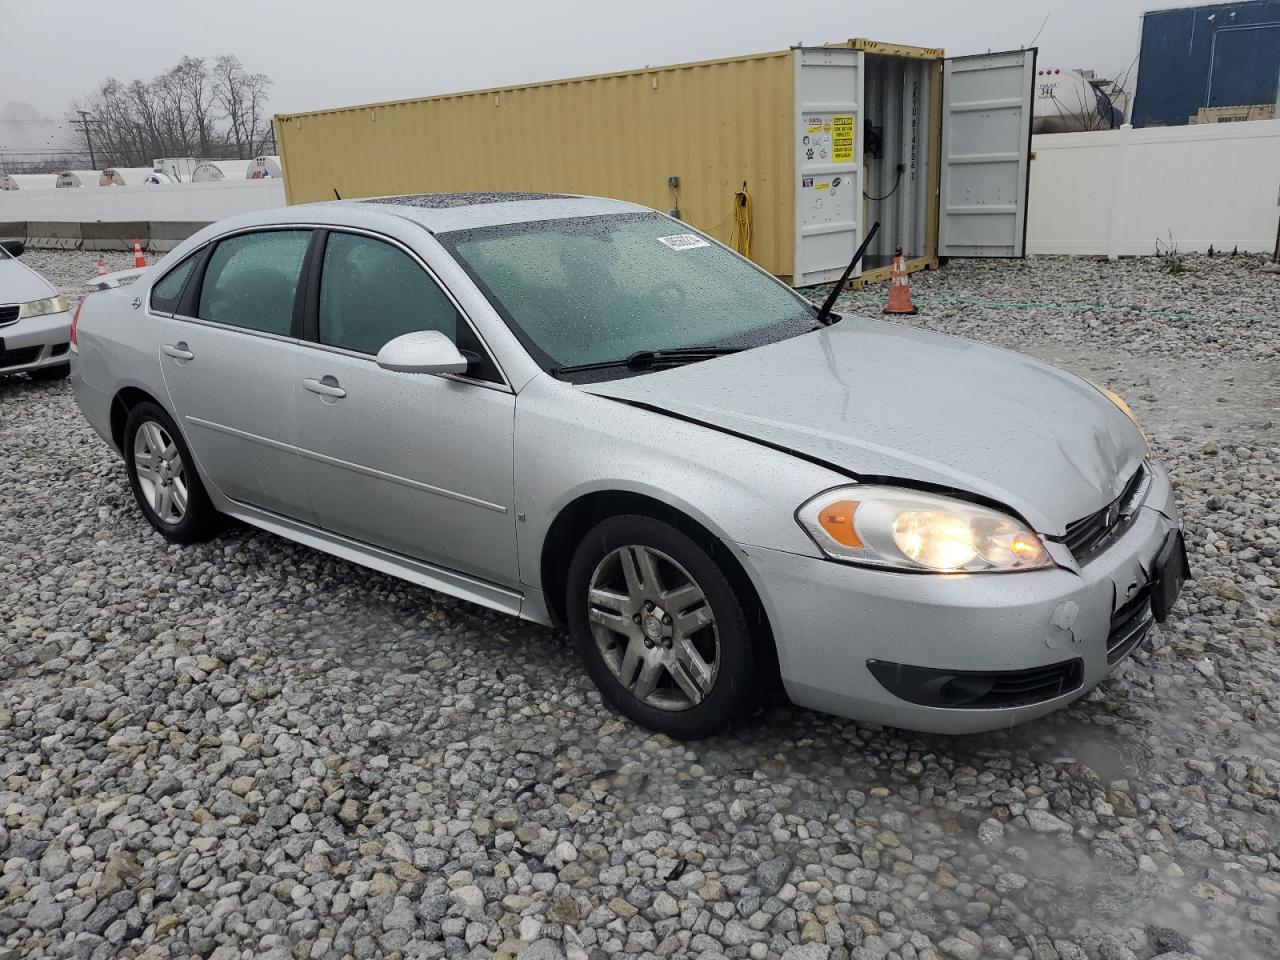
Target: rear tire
{"points": [[163, 477], [60, 372], [659, 628]]}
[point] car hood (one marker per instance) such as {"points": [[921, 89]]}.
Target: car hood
{"points": [[885, 401], [20, 284]]}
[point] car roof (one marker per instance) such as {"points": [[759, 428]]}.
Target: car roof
{"points": [[442, 212]]}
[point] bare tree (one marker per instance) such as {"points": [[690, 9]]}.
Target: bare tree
{"points": [[242, 98], [192, 109]]}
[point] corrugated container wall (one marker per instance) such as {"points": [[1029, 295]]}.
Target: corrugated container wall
{"points": [[715, 125]]}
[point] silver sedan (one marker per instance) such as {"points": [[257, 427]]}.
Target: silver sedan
{"points": [[35, 320], [580, 411]]}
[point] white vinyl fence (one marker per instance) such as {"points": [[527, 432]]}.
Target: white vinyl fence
{"points": [[1117, 192]]}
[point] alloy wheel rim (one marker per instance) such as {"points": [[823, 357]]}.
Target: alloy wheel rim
{"points": [[162, 475], [654, 628]]}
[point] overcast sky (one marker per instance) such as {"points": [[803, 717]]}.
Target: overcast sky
{"points": [[333, 52]]}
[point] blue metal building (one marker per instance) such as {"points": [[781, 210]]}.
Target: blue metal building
{"points": [[1227, 54]]}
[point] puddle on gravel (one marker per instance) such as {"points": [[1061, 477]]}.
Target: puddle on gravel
{"points": [[1116, 752]]}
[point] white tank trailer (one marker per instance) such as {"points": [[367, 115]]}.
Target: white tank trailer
{"points": [[28, 181], [79, 178], [131, 177], [1069, 101], [264, 168], [207, 171]]}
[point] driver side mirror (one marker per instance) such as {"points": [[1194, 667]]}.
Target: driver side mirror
{"points": [[15, 248], [423, 351]]}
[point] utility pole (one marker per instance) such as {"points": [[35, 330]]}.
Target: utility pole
{"points": [[84, 122]]}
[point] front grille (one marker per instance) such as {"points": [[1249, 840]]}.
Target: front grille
{"points": [[19, 357], [1129, 625], [1088, 535], [978, 689], [9, 313]]}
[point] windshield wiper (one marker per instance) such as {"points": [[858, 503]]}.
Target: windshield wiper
{"points": [[652, 358], [824, 315]]}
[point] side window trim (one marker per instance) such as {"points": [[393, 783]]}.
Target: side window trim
{"points": [[315, 278], [306, 301], [190, 298]]}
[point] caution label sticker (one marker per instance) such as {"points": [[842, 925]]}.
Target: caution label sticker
{"points": [[683, 241], [842, 138]]}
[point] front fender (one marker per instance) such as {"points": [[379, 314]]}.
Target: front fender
{"points": [[569, 444]]}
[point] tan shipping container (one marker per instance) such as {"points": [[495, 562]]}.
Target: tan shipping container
{"points": [[823, 140]]}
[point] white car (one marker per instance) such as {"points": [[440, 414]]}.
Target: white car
{"points": [[35, 320]]}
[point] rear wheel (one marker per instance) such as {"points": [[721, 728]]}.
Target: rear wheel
{"points": [[162, 477], [660, 629], [60, 372]]}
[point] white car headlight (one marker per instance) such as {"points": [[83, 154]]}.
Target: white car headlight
{"points": [[910, 530], [42, 308]]}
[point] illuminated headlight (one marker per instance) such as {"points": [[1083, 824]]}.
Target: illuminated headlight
{"points": [[909, 530], [42, 308]]}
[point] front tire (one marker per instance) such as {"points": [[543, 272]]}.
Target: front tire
{"points": [[60, 372], [163, 477], [660, 629]]}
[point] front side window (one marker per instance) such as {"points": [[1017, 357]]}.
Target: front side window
{"points": [[166, 294], [372, 292], [596, 289], [252, 279]]}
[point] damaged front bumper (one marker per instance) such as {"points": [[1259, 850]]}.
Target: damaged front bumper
{"points": [[961, 653]]}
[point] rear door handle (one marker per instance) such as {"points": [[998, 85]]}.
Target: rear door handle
{"points": [[326, 386], [178, 351]]}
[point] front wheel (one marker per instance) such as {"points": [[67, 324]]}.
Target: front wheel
{"points": [[659, 628], [163, 479]]}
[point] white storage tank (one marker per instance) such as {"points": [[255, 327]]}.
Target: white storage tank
{"points": [[264, 168], [207, 171], [29, 181], [79, 178]]}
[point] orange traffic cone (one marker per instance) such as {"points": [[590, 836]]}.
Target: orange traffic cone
{"points": [[102, 268], [139, 260], [899, 288]]}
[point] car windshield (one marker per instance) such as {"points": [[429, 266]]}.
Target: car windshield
{"points": [[597, 289]]}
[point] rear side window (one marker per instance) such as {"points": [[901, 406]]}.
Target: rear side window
{"points": [[166, 294], [372, 292], [252, 279]]}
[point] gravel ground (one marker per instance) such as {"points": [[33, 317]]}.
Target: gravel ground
{"points": [[249, 749]]}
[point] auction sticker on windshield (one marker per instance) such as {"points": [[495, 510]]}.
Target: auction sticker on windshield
{"points": [[683, 241]]}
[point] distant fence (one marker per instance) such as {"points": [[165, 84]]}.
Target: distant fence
{"points": [[106, 218], [1117, 192]]}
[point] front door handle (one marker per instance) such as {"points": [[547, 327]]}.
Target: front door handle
{"points": [[179, 350], [326, 386]]}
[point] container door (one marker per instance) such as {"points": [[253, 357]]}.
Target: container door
{"points": [[986, 154], [828, 187]]}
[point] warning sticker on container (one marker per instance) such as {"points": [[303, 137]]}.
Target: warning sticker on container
{"points": [[683, 241], [842, 138]]}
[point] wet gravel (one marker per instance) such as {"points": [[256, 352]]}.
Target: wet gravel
{"points": [[248, 749]]}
